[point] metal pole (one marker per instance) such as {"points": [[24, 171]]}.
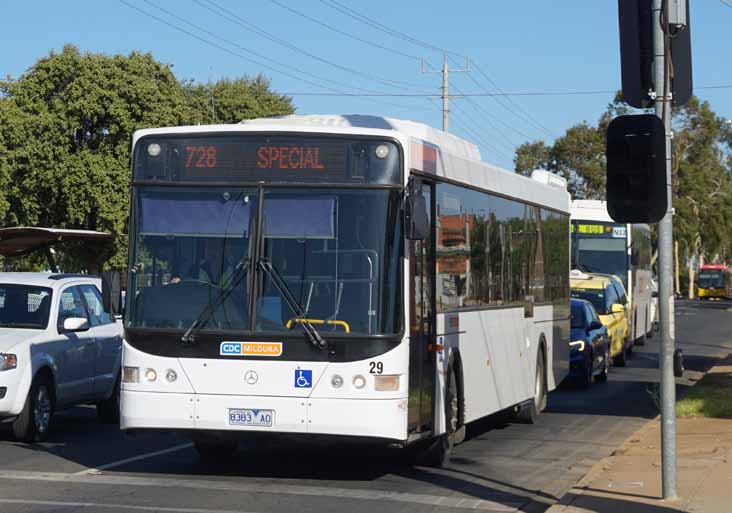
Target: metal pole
{"points": [[445, 94], [665, 262]]}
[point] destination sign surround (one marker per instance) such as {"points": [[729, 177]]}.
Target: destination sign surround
{"points": [[251, 157], [599, 230]]}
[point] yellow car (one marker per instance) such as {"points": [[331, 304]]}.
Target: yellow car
{"points": [[604, 296]]}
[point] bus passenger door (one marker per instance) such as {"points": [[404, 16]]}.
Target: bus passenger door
{"points": [[422, 370]]}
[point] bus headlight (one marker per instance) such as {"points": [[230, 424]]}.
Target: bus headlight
{"points": [[8, 361], [153, 149], [386, 383], [579, 345], [171, 376], [151, 375], [130, 374], [359, 381]]}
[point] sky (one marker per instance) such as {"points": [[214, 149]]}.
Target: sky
{"points": [[528, 46]]}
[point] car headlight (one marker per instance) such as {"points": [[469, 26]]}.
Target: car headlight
{"points": [[8, 361], [579, 345]]}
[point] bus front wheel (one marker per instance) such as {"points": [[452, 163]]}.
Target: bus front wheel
{"points": [[437, 452]]}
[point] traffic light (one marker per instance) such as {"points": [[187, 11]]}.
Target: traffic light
{"points": [[636, 21], [636, 169]]}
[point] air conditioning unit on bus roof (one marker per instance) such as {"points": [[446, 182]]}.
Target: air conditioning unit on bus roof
{"points": [[548, 178]]}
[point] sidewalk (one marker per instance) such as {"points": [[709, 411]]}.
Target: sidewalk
{"points": [[629, 481]]}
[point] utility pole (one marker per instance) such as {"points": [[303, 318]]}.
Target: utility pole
{"points": [[661, 41], [445, 71]]}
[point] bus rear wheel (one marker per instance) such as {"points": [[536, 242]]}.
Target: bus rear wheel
{"points": [[528, 413]]}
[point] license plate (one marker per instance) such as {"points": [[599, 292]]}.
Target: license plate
{"points": [[251, 417]]}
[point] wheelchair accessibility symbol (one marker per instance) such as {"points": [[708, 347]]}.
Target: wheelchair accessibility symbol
{"points": [[303, 378]]}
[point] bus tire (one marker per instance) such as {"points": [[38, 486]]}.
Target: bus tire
{"points": [[215, 451], [528, 412], [641, 341], [438, 451], [34, 421]]}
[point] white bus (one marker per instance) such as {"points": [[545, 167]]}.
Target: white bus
{"points": [[348, 276], [600, 245]]}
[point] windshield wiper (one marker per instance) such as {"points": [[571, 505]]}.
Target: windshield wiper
{"points": [[237, 275], [289, 298]]}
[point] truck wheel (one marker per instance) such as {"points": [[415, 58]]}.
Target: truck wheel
{"points": [[34, 422], [528, 412], [108, 410]]}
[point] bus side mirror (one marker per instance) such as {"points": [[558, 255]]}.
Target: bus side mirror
{"points": [[111, 292], [416, 219]]}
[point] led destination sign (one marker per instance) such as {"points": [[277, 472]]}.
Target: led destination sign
{"points": [[263, 158]]}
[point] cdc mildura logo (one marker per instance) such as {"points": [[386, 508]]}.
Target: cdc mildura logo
{"points": [[230, 348]]}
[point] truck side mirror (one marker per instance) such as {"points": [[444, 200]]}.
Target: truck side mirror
{"points": [[416, 219], [111, 292]]}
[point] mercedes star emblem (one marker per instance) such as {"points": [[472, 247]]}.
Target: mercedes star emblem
{"points": [[251, 377]]}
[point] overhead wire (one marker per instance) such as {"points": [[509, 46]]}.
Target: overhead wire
{"points": [[345, 33], [333, 91], [238, 20], [334, 4], [518, 110]]}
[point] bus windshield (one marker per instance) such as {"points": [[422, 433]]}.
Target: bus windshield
{"points": [[711, 279], [600, 248], [337, 250]]}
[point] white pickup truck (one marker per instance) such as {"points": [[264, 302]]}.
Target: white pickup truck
{"points": [[58, 348]]}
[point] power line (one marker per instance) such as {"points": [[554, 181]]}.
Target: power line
{"points": [[334, 4], [479, 94], [526, 116], [509, 145], [333, 91], [344, 33], [727, 3], [234, 18]]}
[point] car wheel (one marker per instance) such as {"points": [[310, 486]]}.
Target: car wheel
{"points": [[34, 422], [641, 341], [588, 376], [108, 410], [437, 452], [528, 413], [621, 359], [602, 377]]}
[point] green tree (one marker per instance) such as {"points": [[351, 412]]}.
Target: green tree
{"points": [[65, 131], [230, 101]]}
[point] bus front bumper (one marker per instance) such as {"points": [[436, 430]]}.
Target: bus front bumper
{"points": [[377, 418]]}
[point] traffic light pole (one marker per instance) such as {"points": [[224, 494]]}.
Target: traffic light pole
{"points": [[665, 259]]}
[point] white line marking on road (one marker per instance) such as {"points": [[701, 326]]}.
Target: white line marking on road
{"points": [[145, 456], [233, 486], [64, 504]]}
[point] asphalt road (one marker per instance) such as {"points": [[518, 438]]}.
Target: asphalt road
{"points": [[501, 467]]}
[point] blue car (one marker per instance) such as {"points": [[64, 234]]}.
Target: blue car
{"points": [[589, 346]]}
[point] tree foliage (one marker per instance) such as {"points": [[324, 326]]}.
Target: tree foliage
{"points": [[65, 132], [702, 170]]}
